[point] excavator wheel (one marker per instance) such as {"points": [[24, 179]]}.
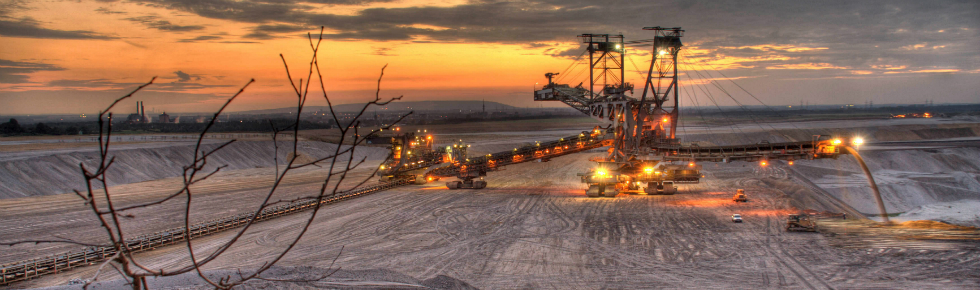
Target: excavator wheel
{"points": [[480, 184], [593, 191], [454, 184], [651, 188], [610, 192], [669, 188]]}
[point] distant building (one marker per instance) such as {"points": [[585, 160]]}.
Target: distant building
{"points": [[139, 117], [164, 118]]}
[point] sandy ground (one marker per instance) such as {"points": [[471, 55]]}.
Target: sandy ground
{"points": [[34, 173], [533, 228], [542, 233]]}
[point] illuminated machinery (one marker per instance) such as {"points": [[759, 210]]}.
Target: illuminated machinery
{"points": [[471, 170], [411, 155], [413, 158], [644, 151]]}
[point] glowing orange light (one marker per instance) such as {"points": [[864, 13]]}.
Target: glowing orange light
{"points": [[666, 120], [600, 172], [691, 164], [763, 163], [790, 162]]}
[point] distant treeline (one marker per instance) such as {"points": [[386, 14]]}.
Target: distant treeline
{"points": [[14, 128]]}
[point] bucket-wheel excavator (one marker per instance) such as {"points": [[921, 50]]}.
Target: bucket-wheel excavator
{"points": [[644, 154]]}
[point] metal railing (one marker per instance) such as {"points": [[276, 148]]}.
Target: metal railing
{"points": [[540, 150], [29, 269]]}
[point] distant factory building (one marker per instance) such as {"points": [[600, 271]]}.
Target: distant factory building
{"points": [[164, 118], [139, 117]]}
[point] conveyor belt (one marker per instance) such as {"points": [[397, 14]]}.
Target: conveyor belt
{"points": [[29, 269], [544, 151]]}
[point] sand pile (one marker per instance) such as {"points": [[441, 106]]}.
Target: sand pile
{"points": [[58, 172], [301, 158]]}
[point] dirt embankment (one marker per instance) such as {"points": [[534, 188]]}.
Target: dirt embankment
{"points": [[926, 132], [921, 180], [729, 136], [59, 172], [910, 181]]}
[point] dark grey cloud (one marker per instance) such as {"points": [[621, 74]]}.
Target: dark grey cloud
{"points": [[566, 53], [30, 28], [202, 38], [155, 22], [857, 33], [383, 51], [270, 31], [347, 2], [182, 76], [9, 6], [93, 83], [185, 77], [181, 84], [103, 10], [15, 72]]}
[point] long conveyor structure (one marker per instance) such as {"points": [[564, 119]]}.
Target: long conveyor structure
{"points": [[469, 169], [30, 269]]}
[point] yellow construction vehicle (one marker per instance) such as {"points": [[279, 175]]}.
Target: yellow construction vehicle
{"points": [[740, 196]]}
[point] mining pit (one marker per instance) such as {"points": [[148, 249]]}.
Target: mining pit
{"points": [[533, 227]]}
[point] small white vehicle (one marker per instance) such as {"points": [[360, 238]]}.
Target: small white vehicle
{"points": [[736, 218]]}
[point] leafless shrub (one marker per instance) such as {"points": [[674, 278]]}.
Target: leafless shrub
{"points": [[338, 164]]}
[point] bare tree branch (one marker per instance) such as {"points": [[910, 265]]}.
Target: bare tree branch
{"points": [[110, 215]]}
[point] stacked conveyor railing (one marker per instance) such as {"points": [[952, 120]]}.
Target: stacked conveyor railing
{"points": [[29, 269], [542, 150], [754, 152], [427, 159]]}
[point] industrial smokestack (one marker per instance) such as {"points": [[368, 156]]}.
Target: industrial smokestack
{"points": [[142, 113]]}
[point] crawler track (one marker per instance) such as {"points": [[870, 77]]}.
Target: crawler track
{"points": [[30, 269]]}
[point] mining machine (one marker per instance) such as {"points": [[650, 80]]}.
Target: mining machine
{"points": [[644, 155], [740, 196], [800, 223], [471, 170], [410, 157], [644, 149], [414, 158]]}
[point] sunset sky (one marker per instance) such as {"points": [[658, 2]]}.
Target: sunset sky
{"points": [[75, 57]]}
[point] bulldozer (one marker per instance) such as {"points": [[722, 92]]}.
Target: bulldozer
{"points": [[800, 223], [740, 196]]}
